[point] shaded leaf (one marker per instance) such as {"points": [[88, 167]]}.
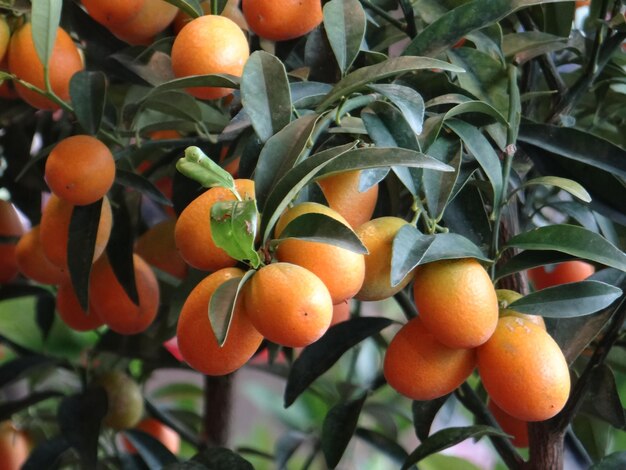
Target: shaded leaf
{"points": [[614, 461], [603, 400], [151, 450], [45, 314], [424, 413], [146, 187], [211, 80], [344, 23], [526, 45], [47, 454], [389, 447], [438, 185], [222, 305], [286, 446], [22, 366], [220, 458], [338, 428], [408, 101], [88, 93], [531, 259], [8, 408]]}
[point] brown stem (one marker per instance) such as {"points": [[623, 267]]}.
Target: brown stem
{"points": [[545, 445], [217, 407]]}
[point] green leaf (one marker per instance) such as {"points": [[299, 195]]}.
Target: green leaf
{"points": [[438, 185], [526, 45], [88, 92], [45, 18], [211, 80], [603, 400], [364, 76], [49, 450], [478, 145], [424, 413], [447, 438], [573, 240], [265, 94], [344, 23], [614, 461], [388, 127], [191, 7], [197, 166], [386, 445], [219, 458], [321, 355], [338, 429], [568, 300], [151, 450], [137, 182], [453, 25], [571, 186], [222, 306], [21, 367], [408, 101], [411, 248], [178, 104], [531, 259], [322, 228], [233, 228]]}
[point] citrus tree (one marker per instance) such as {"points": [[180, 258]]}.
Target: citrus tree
{"points": [[410, 213]]}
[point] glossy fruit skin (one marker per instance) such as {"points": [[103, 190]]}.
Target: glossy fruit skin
{"points": [[506, 297], [524, 370], [24, 62], [112, 304], [80, 169], [377, 235], [55, 225], [161, 432], [10, 226], [341, 270], [125, 401], [196, 339], [288, 304], [153, 18], [420, 367], [510, 425], [5, 35], [342, 194], [543, 277], [210, 44], [14, 448], [158, 248], [456, 301], [280, 20], [71, 313], [32, 261], [193, 228], [113, 12]]}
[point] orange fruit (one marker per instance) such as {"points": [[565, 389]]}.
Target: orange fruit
{"points": [[14, 447], [80, 169], [341, 270], [506, 297], [196, 340], [377, 235], [193, 228], [342, 194], [55, 225], [71, 312], [10, 226], [161, 432], [510, 425], [112, 304], [25, 64], [113, 12], [456, 301], [341, 312], [420, 367], [32, 261], [280, 20], [5, 36], [158, 248], [209, 44], [560, 273], [153, 17], [524, 370], [125, 401], [165, 134], [288, 304]]}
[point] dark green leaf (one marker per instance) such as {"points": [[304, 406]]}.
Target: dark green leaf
{"points": [[141, 184], [197, 166], [572, 240], [214, 80], [308, 94], [22, 366], [424, 413], [531, 259], [324, 229], [568, 300], [191, 7], [219, 458], [151, 450], [526, 45], [233, 228], [168, 417], [447, 438], [45, 18], [321, 355], [88, 92], [388, 446], [338, 428], [81, 244], [45, 314], [408, 101], [603, 400], [265, 94], [615, 461], [438, 185], [8, 408], [178, 104], [344, 23], [222, 306], [286, 446], [466, 213], [47, 454]]}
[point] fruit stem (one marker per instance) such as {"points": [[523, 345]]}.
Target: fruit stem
{"points": [[406, 305], [48, 94]]}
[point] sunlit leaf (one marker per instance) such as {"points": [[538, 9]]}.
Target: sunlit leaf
{"points": [[45, 18]]}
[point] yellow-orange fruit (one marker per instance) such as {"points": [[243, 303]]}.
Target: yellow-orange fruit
{"points": [[288, 304], [506, 297], [377, 235], [210, 44], [161, 432], [32, 261], [196, 339], [125, 401], [71, 312], [193, 228], [420, 367], [55, 226], [524, 370], [158, 248], [560, 273], [456, 301], [14, 448], [80, 169], [510, 425], [5, 35], [112, 12], [342, 194], [111, 303], [153, 17], [24, 62], [10, 226], [280, 20], [341, 270]]}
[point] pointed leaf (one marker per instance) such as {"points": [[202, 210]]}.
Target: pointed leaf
{"points": [[197, 166], [438, 185], [176, 104], [265, 94], [321, 355], [526, 45], [338, 428], [151, 450], [46, 453], [88, 93], [222, 306], [219, 458], [571, 186], [212, 80], [286, 446], [424, 413], [45, 18], [531, 259], [389, 447], [141, 184], [614, 461], [233, 228], [603, 400], [409, 101], [573, 240], [190, 7], [344, 23]]}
